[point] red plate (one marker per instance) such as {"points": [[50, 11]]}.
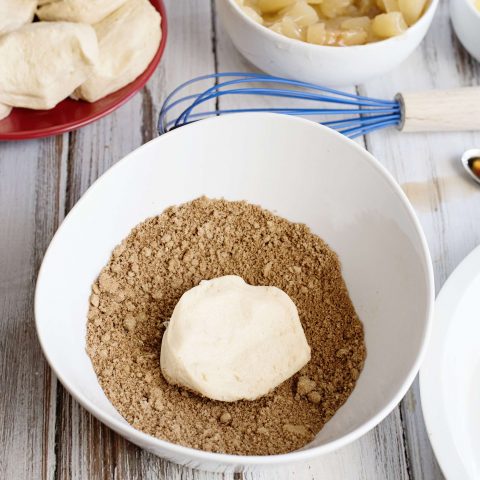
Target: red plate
{"points": [[69, 114]]}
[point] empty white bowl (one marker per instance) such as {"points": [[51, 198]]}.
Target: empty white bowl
{"points": [[304, 172], [450, 374], [333, 66], [466, 23]]}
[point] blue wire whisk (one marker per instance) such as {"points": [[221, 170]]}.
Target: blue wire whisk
{"points": [[457, 109]]}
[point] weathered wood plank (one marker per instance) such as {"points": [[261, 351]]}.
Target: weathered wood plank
{"points": [[33, 194], [356, 461], [379, 454], [86, 448], [427, 167], [32, 176]]}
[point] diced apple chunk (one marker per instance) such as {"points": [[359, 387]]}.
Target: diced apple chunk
{"points": [[411, 9], [352, 37], [302, 14], [388, 25], [345, 38], [391, 6], [253, 14], [357, 23], [287, 27], [272, 6], [334, 8], [316, 34]]}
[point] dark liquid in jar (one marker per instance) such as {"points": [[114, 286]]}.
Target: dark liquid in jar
{"points": [[474, 166]]}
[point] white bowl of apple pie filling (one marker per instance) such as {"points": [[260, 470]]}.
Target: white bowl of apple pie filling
{"points": [[329, 42]]}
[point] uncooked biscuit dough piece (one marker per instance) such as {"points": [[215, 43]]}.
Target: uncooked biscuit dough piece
{"points": [[83, 11], [4, 111], [123, 61], [15, 13], [42, 63], [229, 341]]}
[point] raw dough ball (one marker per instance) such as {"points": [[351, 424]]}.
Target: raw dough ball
{"points": [[4, 111], [229, 341], [15, 13], [128, 40], [42, 63], [123, 61], [84, 11]]}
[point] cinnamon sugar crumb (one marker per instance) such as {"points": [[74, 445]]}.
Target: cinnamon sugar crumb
{"points": [[166, 255]]}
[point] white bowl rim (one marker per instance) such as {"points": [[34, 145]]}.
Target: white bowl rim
{"points": [[435, 415], [127, 430], [470, 3], [277, 36]]}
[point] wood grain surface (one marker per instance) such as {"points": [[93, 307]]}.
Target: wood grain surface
{"points": [[44, 433]]}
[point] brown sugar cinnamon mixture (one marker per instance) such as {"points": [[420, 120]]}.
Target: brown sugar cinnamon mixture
{"points": [[163, 257]]}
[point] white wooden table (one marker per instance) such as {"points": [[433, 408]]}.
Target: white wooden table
{"points": [[44, 434]]}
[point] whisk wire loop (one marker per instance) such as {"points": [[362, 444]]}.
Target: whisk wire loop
{"points": [[184, 116], [371, 114], [350, 99]]}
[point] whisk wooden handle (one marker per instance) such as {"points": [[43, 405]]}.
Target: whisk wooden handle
{"points": [[440, 110]]}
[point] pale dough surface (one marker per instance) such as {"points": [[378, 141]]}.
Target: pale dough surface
{"points": [[229, 340], [122, 62], [42, 63], [15, 13], [84, 11], [4, 111]]}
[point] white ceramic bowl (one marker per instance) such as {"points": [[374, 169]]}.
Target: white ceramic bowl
{"points": [[466, 23], [332, 66], [450, 374], [303, 171]]}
